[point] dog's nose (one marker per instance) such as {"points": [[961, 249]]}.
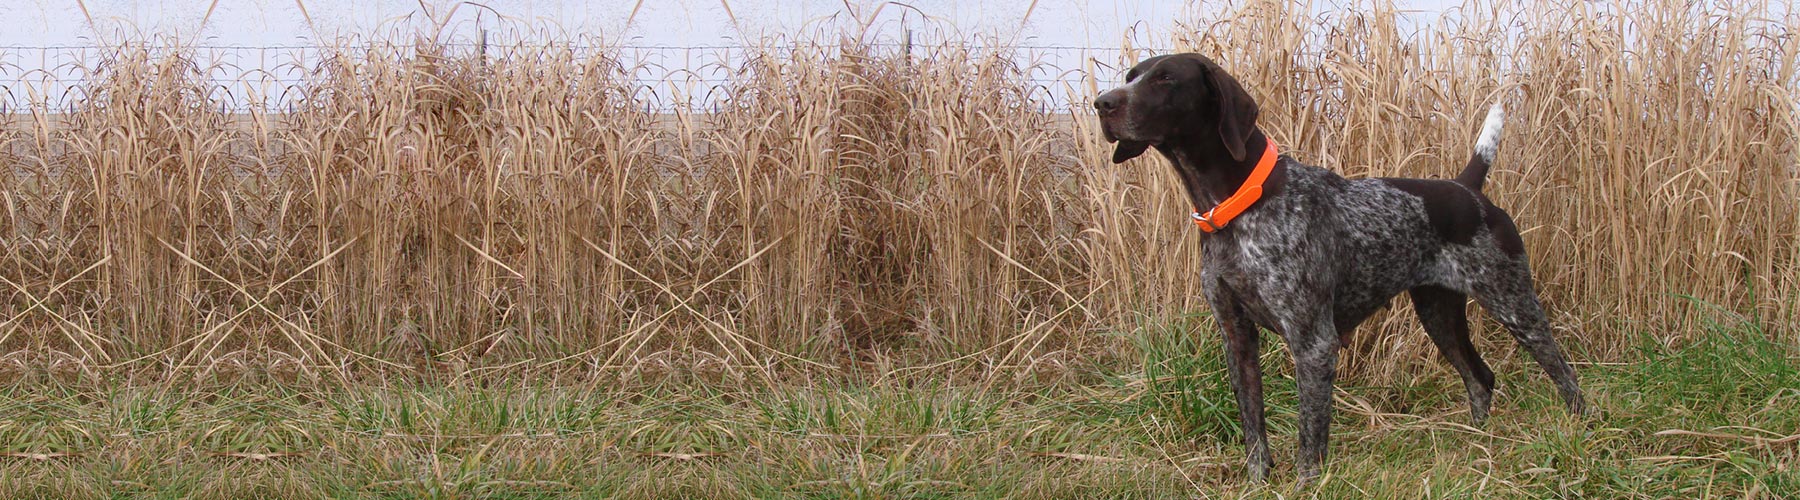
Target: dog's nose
{"points": [[1108, 102]]}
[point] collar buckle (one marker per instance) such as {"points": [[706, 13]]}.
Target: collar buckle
{"points": [[1205, 222]]}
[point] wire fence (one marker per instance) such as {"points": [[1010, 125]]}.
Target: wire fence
{"points": [[273, 78]]}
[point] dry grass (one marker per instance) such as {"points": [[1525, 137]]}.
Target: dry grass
{"points": [[850, 209], [1651, 155]]}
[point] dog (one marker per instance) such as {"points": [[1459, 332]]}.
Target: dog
{"points": [[1309, 255]]}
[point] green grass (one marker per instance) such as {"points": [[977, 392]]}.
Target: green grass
{"points": [[1164, 429]]}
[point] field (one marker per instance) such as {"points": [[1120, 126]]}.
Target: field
{"points": [[874, 271]]}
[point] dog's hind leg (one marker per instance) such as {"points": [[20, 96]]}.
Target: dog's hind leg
{"points": [[1442, 312], [1505, 291]]}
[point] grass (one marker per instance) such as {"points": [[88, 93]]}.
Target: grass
{"points": [[1710, 420]]}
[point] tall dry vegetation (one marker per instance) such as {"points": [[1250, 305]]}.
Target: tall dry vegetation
{"points": [[1650, 156], [851, 207]]}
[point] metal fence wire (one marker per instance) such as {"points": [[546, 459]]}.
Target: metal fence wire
{"points": [[272, 78]]}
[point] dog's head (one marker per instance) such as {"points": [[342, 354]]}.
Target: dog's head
{"points": [[1178, 97]]}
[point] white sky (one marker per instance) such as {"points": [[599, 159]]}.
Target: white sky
{"points": [[657, 22], [35, 44]]}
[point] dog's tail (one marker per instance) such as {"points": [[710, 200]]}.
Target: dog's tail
{"points": [[1476, 172]]}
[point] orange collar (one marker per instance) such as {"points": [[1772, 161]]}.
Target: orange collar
{"points": [[1245, 196]]}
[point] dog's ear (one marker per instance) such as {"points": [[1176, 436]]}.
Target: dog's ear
{"points": [[1128, 149], [1237, 110]]}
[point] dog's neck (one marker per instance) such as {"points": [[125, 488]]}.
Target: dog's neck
{"points": [[1210, 174]]}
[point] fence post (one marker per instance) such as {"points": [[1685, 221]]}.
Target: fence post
{"points": [[906, 47]]}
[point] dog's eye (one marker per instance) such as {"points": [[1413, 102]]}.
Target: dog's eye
{"points": [[1165, 77]]}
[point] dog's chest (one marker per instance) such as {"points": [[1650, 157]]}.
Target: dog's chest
{"points": [[1273, 258]]}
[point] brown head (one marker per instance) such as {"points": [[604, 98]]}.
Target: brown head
{"points": [[1177, 99]]}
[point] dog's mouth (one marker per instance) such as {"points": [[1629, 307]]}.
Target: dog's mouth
{"points": [[1118, 130], [1124, 125], [1129, 139], [1115, 129]]}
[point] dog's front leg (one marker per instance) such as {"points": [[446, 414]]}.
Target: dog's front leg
{"points": [[1244, 364], [1315, 350]]}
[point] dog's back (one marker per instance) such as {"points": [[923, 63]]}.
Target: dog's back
{"points": [[1378, 237]]}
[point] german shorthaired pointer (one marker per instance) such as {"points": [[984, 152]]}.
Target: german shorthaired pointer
{"points": [[1311, 254]]}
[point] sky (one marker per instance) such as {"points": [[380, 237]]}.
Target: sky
{"points": [[43, 36], [654, 22]]}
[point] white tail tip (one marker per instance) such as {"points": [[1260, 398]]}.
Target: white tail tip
{"points": [[1490, 133]]}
